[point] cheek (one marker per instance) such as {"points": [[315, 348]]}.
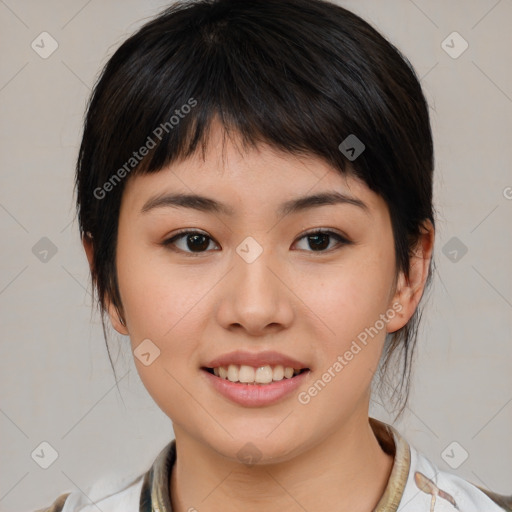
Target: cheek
{"points": [[156, 295], [351, 297], [163, 304], [349, 340], [167, 304], [350, 302]]}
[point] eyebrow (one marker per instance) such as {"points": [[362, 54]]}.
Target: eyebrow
{"points": [[209, 205]]}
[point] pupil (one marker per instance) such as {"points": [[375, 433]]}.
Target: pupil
{"points": [[323, 236], [199, 246]]}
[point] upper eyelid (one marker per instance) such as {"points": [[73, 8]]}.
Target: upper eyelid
{"points": [[311, 231]]}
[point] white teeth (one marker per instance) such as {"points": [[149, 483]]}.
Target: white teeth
{"points": [[232, 373], [246, 374], [263, 375], [288, 372], [250, 375], [278, 373]]}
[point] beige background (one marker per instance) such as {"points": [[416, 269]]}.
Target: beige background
{"points": [[56, 381]]}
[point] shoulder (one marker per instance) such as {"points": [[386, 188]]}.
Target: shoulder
{"points": [[505, 502], [109, 495], [57, 505], [149, 490], [430, 488]]}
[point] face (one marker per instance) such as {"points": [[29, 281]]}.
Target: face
{"points": [[314, 284]]}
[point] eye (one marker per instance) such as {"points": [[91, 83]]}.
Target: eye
{"points": [[318, 240], [196, 241]]}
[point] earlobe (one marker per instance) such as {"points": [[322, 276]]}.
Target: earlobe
{"points": [[399, 304], [116, 319], [89, 249]]}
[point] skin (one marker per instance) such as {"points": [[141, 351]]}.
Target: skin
{"points": [[304, 303]]}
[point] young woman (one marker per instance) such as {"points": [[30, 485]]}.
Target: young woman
{"points": [[254, 192]]}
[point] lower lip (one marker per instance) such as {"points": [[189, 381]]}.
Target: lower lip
{"points": [[255, 395]]}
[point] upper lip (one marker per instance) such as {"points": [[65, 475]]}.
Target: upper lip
{"points": [[255, 359]]}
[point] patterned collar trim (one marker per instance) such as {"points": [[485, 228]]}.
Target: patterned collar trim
{"points": [[155, 493], [155, 488], [393, 444]]}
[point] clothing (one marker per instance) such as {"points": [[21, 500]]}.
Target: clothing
{"points": [[415, 485]]}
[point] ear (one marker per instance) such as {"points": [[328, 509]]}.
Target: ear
{"points": [[115, 317], [408, 292], [89, 249]]}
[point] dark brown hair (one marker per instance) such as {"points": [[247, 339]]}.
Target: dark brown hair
{"points": [[299, 75]]}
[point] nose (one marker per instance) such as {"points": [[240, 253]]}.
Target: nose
{"points": [[255, 296]]}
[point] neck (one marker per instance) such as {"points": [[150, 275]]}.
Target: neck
{"points": [[352, 480]]}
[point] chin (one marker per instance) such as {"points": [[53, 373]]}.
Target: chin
{"points": [[257, 448]]}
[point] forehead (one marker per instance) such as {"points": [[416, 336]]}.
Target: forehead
{"points": [[261, 177]]}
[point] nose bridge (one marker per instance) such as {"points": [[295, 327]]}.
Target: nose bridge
{"points": [[252, 270], [255, 297]]}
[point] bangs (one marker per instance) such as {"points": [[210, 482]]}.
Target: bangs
{"points": [[168, 83]]}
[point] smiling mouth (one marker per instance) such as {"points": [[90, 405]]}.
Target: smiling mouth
{"points": [[242, 374]]}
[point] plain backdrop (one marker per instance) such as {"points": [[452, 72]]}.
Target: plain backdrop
{"points": [[57, 385]]}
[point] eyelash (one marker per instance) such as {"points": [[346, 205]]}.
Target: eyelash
{"points": [[341, 240]]}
